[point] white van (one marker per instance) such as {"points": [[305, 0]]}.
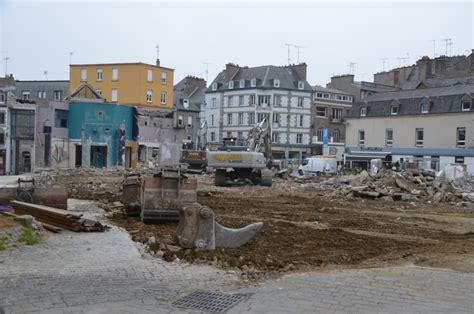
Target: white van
{"points": [[323, 164]]}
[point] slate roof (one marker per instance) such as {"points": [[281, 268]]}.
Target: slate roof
{"points": [[373, 86], [195, 96], [264, 75], [441, 99], [318, 88]]}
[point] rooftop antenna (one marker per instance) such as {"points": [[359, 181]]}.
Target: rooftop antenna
{"points": [[408, 58], [207, 69], [157, 51], [70, 57], [383, 63], [298, 48], [6, 65], [434, 47], [352, 67], [448, 43], [362, 75], [289, 46], [400, 61], [45, 72]]}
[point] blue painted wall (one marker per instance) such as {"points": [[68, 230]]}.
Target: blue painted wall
{"points": [[97, 124]]}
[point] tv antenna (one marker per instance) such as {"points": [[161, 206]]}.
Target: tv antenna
{"points": [[45, 72], [207, 69], [6, 65], [383, 63], [298, 48], [434, 47], [448, 43], [362, 75], [289, 46], [157, 51], [70, 57], [352, 67]]}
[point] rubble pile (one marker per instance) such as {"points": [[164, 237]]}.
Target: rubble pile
{"points": [[388, 185]]}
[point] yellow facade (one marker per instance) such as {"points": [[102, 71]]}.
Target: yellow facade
{"points": [[134, 83]]}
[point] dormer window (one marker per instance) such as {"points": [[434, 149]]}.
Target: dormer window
{"points": [[425, 106], [300, 85], [363, 111], [231, 84], [242, 83], [253, 82], [214, 86], [186, 103], [394, 110], [466, 105], [276, 83]]}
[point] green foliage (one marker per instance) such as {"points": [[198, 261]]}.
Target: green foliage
{"points": [[3, 243], [28, 237]]}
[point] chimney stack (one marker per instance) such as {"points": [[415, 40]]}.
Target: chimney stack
{"points": [[230, 70], [300, 69], [157, 62]]}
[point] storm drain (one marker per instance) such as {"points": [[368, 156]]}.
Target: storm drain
{"points": [[209, 301]]}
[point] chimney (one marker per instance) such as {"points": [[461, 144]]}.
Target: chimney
{"points": [[441, 65], [193, 82], [300, 69], [425, 70], [230, 70], [157, 62]]}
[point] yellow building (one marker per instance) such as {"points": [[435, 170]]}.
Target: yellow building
{"points": [[138, 84]]}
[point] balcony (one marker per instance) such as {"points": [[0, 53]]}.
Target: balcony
{"points": [[336, 119]]}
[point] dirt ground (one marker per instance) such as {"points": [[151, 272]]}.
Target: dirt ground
{"points": [[304, 231]]}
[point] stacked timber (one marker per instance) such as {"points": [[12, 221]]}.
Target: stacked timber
{"points": [[58, 218]]}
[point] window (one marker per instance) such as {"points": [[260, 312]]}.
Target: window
{"points": [[276, 83], [164, 77], [240, 135], [214, 102], [213, 136], [186, 103], [277, 100], [251, 118], [276, 118], [394, 110], [338, 97], [300, 102], [299, 138], [261, 116], [41, 94], [336, 135], [263, 100], [321, 111], [212, 119], [25, 95], [419, 137], [251, 99], [275, 137], [388, 137], [460, 137], [253, 83], [190, 121], [2, 117], [98, 75], [163, 98], [230, 101], [425, 107], [319, 95], [231, 84], [326, 96], [149, 75], [336, 115], [2, 138], [229, 119], [459, 159], [229, 134], [242, 83], [60, 118], [361, 137], [2, 98], [466, 105], [180, 120], [300, 85], [300, 120], [241, 100], [363, 111], [214, 86], [149, 96], [99, 91], [320, 134], [241, 118], [114, 95], [83, 74], [57, 94], [115, 74]]}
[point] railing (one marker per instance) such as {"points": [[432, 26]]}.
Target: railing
{"points": [[336, 119]]}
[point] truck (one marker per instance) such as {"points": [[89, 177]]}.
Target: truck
{"points": [[322, 164], [239, 160]]}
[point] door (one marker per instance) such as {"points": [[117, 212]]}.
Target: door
{"points": [[78, 162], [99, 156]]}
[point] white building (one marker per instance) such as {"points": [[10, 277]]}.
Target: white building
{"points": [[239, 97]]}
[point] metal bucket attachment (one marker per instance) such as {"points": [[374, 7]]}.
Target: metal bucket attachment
{"points": [[131, 194], [198, 229], [162, 195], [27, 191]]}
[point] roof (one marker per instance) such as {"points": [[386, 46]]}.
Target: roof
{"points": [[415, 151], [265, 76], [373, 86], [440, 100], [85, 92], [318, 88], [124, 63], [42, 81]]}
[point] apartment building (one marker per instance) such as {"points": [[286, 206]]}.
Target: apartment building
{"points": [[431, 125], [48, 90], [239, 97], [360, 90], [329, 110], [137, 84]]}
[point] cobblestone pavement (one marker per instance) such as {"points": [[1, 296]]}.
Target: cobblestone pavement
{"points": [[105, 273]]}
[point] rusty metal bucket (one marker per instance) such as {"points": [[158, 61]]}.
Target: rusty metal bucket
{"points": [[131, 194]]}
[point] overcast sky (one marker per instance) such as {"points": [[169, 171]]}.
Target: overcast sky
{"points": [[38, 36]]}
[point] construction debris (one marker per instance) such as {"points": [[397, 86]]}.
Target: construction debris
{"points": [[58, 218]]}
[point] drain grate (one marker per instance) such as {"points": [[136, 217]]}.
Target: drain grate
{"points": [[209, 301]]}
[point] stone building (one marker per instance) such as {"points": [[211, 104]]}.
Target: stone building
{"points": [[239, 97], [360, 90], [329, 111]]}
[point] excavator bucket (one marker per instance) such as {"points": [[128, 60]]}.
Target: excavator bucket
{"points": [[162, 195], [198, 229], [28, 192], [131, 194]]}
